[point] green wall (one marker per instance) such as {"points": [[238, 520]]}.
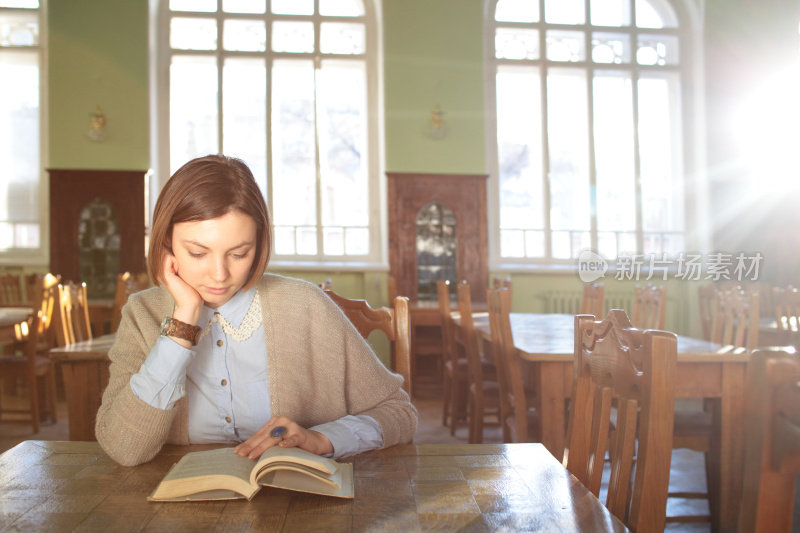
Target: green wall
{"points": [[433, 56], [98, 56]]}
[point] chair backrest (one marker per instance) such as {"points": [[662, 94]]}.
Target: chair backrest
{"points": [[772, 442], [449, 352], [612, 359], [513, 402], [734, 320], [41, 336], [73, 323], [393, 321], [649, 307], [127, 284], [786, 309], [706, 295], [470, 337], [593, 299], [498, 282], [11, 290]]}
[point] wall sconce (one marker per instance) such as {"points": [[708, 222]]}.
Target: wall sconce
{"points": [[97, 125], [438, 129]]}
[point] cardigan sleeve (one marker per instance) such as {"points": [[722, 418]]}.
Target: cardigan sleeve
{"points": [[129, 430]]}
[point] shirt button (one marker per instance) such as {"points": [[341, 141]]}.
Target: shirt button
{"points": [[219, 342], [228, 419], [224, 382]]}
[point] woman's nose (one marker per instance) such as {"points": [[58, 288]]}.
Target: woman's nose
{"points": [[220, 271]]}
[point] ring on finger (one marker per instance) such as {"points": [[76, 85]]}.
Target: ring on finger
{"points": [[278, 432]]}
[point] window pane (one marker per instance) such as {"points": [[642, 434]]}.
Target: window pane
{"points": [[338, 38], [516, 43], [19, 28], [356, 241], [244, 128], [566, 46], [516, 11], [613, 148], [519, 146], [293, 147], [512, 243], [19, 146], [534, 244], [30, 4], [341, 8], [292, 7], [568, 135], [297, 37], [611, 48], [661, 158], [247, 35], [655, 14], [564, 11], [205, 6], [343, 144], [333, 241], [193, 34], [657, 50], [193, 113], [611, 12], [244, 6]]}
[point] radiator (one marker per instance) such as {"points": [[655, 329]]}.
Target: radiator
{"points": [[569, 302]]}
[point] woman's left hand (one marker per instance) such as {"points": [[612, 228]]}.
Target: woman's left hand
{"points": [[294, 436]]}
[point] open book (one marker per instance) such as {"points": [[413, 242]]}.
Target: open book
{"points": [[222, 475]]}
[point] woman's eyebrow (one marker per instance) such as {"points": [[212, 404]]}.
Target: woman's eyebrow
{"points": [[201, 245]]}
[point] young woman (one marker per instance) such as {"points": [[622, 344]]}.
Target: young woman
{"points": [[220, 352]]}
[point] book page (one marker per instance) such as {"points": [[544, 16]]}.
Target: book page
{"points": [[295, 455], [338, 484], [203, 475], [211, 462]]}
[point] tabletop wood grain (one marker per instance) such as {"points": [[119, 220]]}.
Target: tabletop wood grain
{"points": [[65, 486]]}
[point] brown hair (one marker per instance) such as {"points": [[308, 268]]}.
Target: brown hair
{"points": [[205, 188]]}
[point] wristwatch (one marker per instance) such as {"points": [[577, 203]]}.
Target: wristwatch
{"points": [[171, 327]]}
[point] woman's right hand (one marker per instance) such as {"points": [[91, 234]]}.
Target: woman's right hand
{"points": [[188, 302]]}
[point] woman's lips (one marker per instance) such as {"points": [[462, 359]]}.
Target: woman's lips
{"points": [[214, 290]]}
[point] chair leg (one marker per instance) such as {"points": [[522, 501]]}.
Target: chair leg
{"points": [[33, 394], [479, 413], [51, 385], [446, 385]]}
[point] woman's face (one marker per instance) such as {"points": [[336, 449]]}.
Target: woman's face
{"points": [[214, 256]]}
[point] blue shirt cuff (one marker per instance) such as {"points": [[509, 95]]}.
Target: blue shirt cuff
{"points": [[162, 379], [352, 434]]}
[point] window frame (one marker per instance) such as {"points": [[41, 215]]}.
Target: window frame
{"points": [[692, 142], [40, 256], [161, 53]]}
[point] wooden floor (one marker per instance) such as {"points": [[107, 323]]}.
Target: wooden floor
{"points": [[687, 473]]}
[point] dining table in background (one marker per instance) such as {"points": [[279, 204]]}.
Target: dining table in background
{"points": [[65, 486], [704, 370], [84, 367]]}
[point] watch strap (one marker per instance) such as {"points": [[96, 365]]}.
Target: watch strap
{"points": [[172, 327]]}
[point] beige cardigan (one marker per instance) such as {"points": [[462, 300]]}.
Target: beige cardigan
{"points": [[320, 369]]}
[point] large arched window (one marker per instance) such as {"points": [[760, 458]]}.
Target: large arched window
{"points": [[290, 87], [21, 68], [589, 128]]}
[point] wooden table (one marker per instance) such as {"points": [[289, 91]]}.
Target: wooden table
{"points": [[84, 367], [61, 486], [547, 340]]}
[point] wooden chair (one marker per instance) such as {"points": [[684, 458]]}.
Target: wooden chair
{"points": [[327, 284], [454, 379], [127, 284], [734, 321], [593, 299], [734, 324], [36, 365], [772, 443], [393, 321], [483, 389], [706, 295], [517, 405], [649, 307], [614, 360], [786, 312], [11, 291], [73, 323]]}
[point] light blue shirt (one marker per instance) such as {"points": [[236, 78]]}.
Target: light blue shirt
{"points": [[226, 385]]}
